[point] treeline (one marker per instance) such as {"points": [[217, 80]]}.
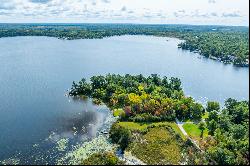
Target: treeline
{"points": [[142, 98], [228, 44], [227, 47], [229, 130]]}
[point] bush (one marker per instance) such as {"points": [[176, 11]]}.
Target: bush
{"points": [[118, 112], [106, 158], [120, 135], [189, 142], [97, 101], [146, 117]]}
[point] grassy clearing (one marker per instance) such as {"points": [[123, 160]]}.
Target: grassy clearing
{"points": [[142, 127], [157, 146], [117, 112], [134, 126], [193, 130]]}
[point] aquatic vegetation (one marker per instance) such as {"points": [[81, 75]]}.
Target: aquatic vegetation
{"points": [[35, 145], [106, 158], [62, 144], [10, 161], [82, 152]]}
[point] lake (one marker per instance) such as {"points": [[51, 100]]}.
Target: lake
{"points": [[35, 73]]}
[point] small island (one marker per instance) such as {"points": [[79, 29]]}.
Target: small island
{"points": [[158, 124]]}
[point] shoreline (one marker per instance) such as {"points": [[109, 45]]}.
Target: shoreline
{"points": [[156, 35]]}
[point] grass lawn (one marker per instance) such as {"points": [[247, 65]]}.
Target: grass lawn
{"points": [[156, 147], [193, 130], [140, 127]]}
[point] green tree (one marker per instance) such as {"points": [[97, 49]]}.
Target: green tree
{"points": [[196, 111], [212, 106], [202, 127], [120, 135]]}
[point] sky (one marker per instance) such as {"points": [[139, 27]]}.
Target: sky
{"points": [[210, 12]]}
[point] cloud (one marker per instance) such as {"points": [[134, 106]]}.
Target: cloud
{"points": [[194, 14], [232, 14], [123, 8], [197, 13], [106, 1], [130, 12], [147, 14], [214, 14], [180, 13], [117, 15], [6, 5], [5, 13], [120, 10], [40, 1], [211, 1], [159, 14]]}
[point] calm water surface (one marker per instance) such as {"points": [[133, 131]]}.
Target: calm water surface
{"points": [[35, 73]]}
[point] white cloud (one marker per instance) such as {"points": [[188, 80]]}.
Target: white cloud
{"points": [[233, 12], [211, 1], [123, 8]]}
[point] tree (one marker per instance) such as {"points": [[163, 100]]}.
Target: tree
{"points": [[120, 135], [202, 127], [240, 113], [230, 129], [196, 111], [98, 82], [212, 126], [212, 106], [230, 103]]}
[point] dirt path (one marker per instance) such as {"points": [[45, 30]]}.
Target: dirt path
{"points": [[180, 126]]}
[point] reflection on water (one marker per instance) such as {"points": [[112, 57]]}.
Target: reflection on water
{"points": [[72, 129]]}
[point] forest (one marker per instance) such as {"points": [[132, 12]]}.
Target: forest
{"points": [[148, 107], [228, 44], [143, 99]]}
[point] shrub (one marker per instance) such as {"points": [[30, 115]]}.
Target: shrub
{"points": [[97, 101], [120, 135], [106, 158], [118, 112], [146, 117]]}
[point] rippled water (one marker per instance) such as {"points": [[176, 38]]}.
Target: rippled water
{"points": [[35, 73]]}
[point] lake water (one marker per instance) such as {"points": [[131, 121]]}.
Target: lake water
{"points": [[35, 73]]}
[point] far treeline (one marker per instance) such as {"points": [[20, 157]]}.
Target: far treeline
{"points": [[147, 106], [228, 44]]}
